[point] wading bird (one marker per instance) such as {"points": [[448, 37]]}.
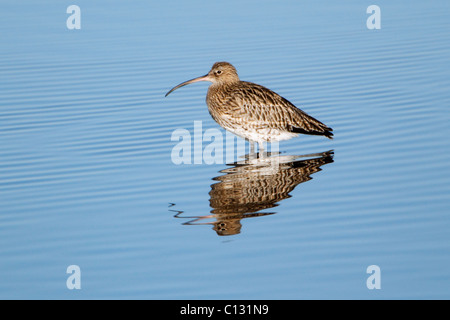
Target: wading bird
{"points": [[252, 111]]}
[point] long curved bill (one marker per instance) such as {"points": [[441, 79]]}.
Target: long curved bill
{"points": [[202, 78]]}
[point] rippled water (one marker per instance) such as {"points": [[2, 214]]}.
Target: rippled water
{"points": [[86, 176]]}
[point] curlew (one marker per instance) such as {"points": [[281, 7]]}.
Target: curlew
{"points": [[252, 111]]}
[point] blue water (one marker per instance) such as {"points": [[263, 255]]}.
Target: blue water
{"points": [[86, 176]]}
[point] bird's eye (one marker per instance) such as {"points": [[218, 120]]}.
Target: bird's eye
{"points": [[218, 71]]}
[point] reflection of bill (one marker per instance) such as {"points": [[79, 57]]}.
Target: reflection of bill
{"points": [[253, 185]]}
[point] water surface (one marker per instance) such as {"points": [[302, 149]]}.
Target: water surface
{"points": [[86, 176]]}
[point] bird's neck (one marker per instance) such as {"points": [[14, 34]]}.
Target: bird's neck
{"points": [[217, 90], [221, 86]]}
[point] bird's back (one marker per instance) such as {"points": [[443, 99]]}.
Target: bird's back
{"points": [[259, 114]]}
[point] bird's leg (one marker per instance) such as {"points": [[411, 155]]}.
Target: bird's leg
{"points": [[252, 147], [252, 154], [262, 152]]}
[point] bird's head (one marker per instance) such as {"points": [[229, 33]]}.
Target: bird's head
{"points": [[220, 73], [223, 72]]}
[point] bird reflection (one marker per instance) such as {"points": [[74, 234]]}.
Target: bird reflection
{"points": [[255, 184]]}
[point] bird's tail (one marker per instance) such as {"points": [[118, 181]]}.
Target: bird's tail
{"points": [[325, 131]]}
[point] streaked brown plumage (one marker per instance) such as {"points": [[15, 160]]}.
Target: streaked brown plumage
{"points": [[249, 188], [252, 111]]}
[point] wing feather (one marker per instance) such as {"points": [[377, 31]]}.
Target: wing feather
{"points": [[257, 107]]}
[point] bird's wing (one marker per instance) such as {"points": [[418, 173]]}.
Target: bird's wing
{"points": [[259, 107]]}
